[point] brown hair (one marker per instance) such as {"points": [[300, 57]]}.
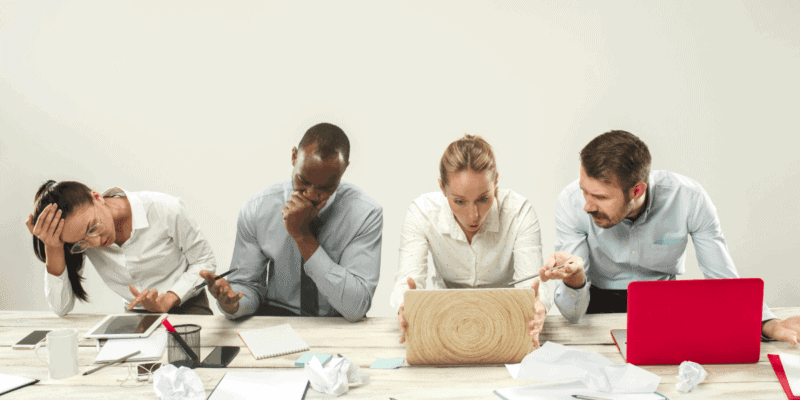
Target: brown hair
{"points": [[468, 153], [68, 196], [619, 153]]}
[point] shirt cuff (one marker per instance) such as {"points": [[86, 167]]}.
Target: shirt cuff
{"points": [[572, 302], [184, 290], [765, 338]]}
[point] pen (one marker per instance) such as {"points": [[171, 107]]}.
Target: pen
{"points": [[117, 361], [200, 286], [185, 346], [535, 276], [582, 397]]}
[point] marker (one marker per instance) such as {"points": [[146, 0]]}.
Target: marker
{"points": [[200, 286], [181, 342], [535, 276]]}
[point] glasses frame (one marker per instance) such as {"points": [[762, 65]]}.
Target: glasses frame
{"points": [[77, 248]]}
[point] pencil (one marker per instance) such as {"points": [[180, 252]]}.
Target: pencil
{"points": [[200, 286], [535, 276], [117, 361]]}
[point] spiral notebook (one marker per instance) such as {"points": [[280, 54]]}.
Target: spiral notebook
{"points": [[273, 341]]}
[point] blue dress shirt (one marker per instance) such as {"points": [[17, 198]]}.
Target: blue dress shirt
{"points": [[653, 247], [345, 267]]}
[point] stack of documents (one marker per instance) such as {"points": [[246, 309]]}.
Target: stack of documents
{"points": [[287, 385]]}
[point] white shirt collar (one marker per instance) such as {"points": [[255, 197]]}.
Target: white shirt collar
{"points": [[138, 214]]}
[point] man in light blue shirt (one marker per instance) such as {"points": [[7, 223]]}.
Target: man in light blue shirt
{"points": [[620, 223], [307, 246]]}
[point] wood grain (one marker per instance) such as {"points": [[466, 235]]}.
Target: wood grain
{"points": [[468, 326]]}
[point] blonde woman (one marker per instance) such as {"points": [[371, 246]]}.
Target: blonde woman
{"points": [[479, 236]]}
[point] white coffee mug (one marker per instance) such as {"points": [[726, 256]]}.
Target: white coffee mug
{"points": [[62, 353]]}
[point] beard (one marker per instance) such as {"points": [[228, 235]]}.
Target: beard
{"points": [[605, 221]]}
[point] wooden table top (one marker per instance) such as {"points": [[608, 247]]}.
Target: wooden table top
{"points": [[362, 342]]}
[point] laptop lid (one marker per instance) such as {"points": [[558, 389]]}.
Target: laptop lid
{"points": [[468, 326], [707, 321]]}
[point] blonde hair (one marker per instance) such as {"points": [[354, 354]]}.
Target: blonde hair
{"points": [[468, 153]]}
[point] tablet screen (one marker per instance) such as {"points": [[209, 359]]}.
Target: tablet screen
{"points": [[126, 324]]}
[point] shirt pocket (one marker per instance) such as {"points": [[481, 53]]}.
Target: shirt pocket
{"points": [[665, 255]]}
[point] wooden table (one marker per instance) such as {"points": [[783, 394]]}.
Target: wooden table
{"points": [[362, 342]]}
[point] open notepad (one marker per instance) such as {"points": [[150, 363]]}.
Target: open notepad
{"points": [[289, 385], [151, 348], [273, 341]]}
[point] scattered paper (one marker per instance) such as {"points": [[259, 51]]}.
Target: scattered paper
{"points": [[337, 378], [171, 383], [305, 358], [564, 391], [554, 362], [690, 374], [387, 363], [791, 366]]}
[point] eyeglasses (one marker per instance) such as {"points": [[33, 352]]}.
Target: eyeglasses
{"points": [[95, 230]]}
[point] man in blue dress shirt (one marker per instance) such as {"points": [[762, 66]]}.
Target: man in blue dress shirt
{"points": [[307, 246], [621, 222]]}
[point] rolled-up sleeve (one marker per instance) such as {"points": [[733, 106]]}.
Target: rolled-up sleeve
{"points": [[251, 278], [187, 235], [571, 238], [349, 285]]}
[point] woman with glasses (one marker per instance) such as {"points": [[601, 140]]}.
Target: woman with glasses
{"points": [[144, 245]]}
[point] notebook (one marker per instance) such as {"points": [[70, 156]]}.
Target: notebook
{"points": [[673, 321], [273, 341], [10, 383], [151, 348], [786, 378], [288, 385]]}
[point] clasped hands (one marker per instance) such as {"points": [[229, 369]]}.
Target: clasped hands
{"points": [[298, 213]]}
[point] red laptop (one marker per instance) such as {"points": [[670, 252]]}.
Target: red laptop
{"points": [[707, 321]]}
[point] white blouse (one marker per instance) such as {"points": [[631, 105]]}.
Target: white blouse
{"points": [[166, 251], [507, 247]]}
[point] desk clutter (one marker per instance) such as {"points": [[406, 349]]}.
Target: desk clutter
{"points": [[367, 371]]}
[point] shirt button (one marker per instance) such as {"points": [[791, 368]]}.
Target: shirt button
{"points": [[573, 295], [633, 252]]}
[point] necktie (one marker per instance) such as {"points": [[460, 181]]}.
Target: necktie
{"points": [[309, 300]]}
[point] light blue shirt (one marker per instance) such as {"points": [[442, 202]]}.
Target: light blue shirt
{"points": [[345, 267], [653, 247]]}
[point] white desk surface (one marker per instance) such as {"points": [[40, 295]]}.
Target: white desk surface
{"points": [[362, 342]]}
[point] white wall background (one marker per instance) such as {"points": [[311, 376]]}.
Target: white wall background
{"points": [[204, 100]]}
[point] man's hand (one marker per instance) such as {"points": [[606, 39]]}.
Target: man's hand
{"points": [[298, 213], [221, 290], [539, 313], [572, 274], [400, 317], [787, 330], [154, 302]]}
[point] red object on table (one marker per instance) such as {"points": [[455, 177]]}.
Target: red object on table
{"points": [[775, 360]]}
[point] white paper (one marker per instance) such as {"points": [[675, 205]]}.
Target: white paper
{"points": [[337, 378], [151, 348], [564, 391], [256, 385], [554, 362], [171, 383], [11, 382], [791, 366]]}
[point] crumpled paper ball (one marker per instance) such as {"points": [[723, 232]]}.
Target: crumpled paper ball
{"points": [[337, 378], [690, 374], [171, 383]]}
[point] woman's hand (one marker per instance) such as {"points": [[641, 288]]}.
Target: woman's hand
{"points": [[539, 313], [152, 301], [48, 227], [400, 317]]}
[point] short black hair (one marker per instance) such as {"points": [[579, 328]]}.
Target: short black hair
{"points": [[330, 140]]}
